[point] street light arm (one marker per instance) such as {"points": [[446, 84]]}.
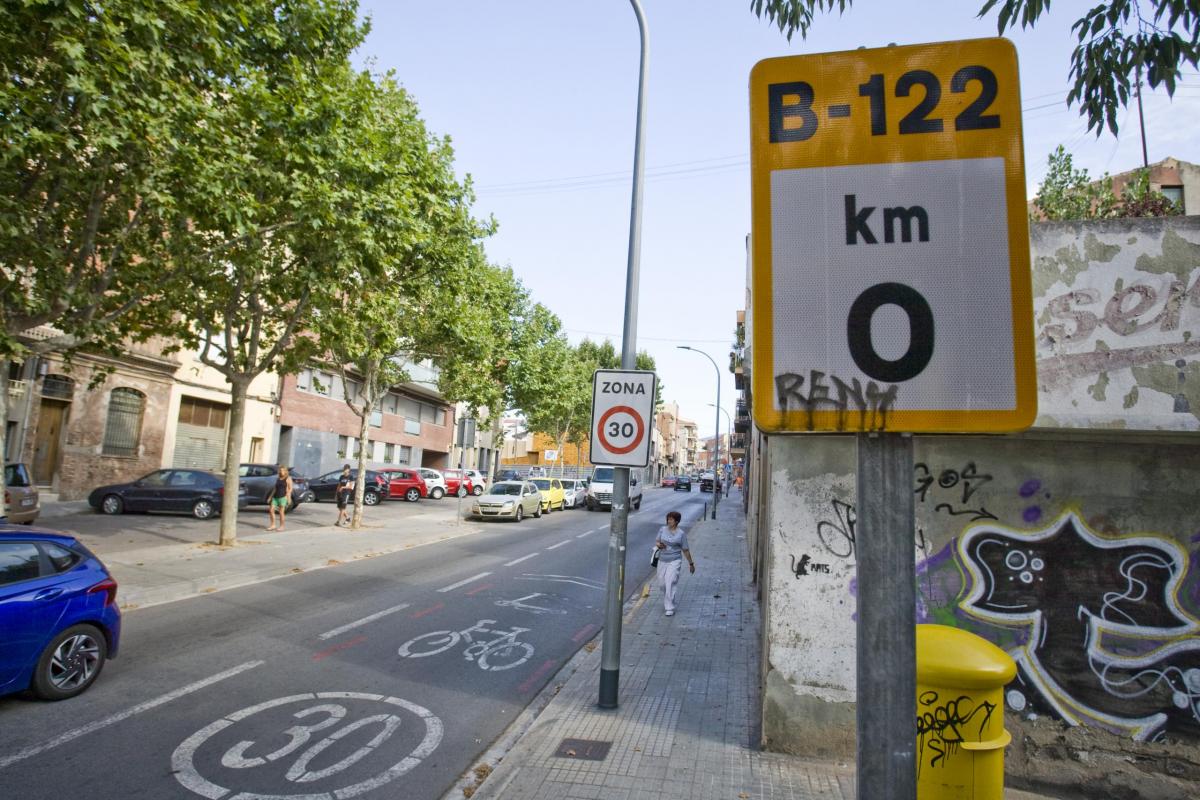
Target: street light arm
{"points": [[717, 427]]}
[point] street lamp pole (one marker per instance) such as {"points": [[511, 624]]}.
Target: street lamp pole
{"points": [[610, 655], [729, 429], [717, 432]]}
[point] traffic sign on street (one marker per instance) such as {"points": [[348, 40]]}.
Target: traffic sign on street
{"points": [[890, 245], [622, 417]]}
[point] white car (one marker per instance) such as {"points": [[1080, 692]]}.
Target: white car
{"points": [[478, 479], [435, 483], [573, 493]]}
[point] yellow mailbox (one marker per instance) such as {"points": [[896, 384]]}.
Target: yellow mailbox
{"points": [[960, 715]]}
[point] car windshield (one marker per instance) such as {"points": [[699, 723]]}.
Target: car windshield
{"points": [[506, 488], [541, 483], [603, 474]]}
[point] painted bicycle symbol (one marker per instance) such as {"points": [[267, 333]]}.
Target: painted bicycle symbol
{"points": [[500, 653]]}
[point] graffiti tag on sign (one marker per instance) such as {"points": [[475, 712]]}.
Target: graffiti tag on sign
{"points": [[1107, 642], [324, 744]]}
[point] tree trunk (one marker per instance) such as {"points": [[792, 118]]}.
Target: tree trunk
{"points": [[3, 437], [360, 482], [233, 455]]}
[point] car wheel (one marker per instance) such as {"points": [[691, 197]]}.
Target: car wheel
{"points": [[203, 509], [112, 504], [309, 497], [537, 514], [70, 663], [461, 492], [477, 490], [437, 493], [520, 513], [637, 504], [412, 495], [370, 498]]}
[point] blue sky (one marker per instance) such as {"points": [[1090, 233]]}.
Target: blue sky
{"points": [[539, 98]]}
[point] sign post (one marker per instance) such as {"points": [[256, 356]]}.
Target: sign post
{"points": [[622, 420], [892, 296]]}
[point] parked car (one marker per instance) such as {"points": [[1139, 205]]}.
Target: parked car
{"points": [[552, 493], [435, 483], [59, 620], [508, 475], [573, 493], [706, 481], [20, 495], [325, 487], [259, 480], [668, 481], [508, 500], [683, 484], [405, 482], [194, 491], [459, 484], [478, 480]]}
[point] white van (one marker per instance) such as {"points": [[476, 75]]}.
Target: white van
{"points": [[600, 489]]}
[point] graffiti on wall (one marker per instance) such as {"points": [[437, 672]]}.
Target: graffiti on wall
{"points": [[1106, 641]]}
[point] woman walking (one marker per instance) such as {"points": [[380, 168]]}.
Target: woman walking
{"points": [[672, 547], [279, 498]]}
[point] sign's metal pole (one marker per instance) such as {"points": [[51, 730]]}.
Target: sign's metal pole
{"points": [[610, 656], [886, 632]]}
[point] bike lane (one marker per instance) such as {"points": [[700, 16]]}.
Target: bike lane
{"points": [[396, 672]]}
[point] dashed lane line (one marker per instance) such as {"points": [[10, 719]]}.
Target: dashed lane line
{"points": [[560, 544], [463, 582], [585, 533], [120, 716], [522, 558], [356, 623]]}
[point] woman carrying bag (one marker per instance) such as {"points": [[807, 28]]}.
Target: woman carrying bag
{"points": [[672, 547]]}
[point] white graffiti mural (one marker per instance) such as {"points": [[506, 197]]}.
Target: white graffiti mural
{"points": [[1107, 641]]}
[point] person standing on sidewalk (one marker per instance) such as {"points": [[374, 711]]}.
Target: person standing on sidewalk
{"points": [[672, 547], [343, 493], [281, 495]]}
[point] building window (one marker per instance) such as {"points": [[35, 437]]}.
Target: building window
{"points": [[1174, 194], [405, 455], [352, 390], [427, 414], [389, 452], [123, 429], [304, 380], [193, 411], [59, 386], [322, 383], [441, 416], [391, 404], [343, 446]]}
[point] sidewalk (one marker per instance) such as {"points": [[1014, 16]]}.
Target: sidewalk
{"points": [[687, 724]]}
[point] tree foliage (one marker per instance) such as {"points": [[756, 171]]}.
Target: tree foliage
{"points": [[1114, 41], [1068, 193]]}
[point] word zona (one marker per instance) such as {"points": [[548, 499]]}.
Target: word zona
{"points": [[622, 387]]}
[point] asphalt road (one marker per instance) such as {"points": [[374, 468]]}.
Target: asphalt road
{"points": [[383, 678]]}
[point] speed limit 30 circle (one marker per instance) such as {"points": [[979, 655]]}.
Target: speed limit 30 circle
{"points": [[608, 427]]}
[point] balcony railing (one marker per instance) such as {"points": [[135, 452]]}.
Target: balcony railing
{"points": [[17, 389]]}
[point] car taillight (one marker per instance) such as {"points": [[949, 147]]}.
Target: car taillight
{"points": [[220, 490], [109, 587]]}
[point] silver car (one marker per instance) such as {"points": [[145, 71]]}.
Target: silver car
{"points": [[23, 504], [508, 500], [573, 493]]}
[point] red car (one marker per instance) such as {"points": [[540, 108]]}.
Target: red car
{"points": [[406, 483], [459, 484], [668, 481]]}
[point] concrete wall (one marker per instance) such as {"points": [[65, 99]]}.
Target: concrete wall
{"points": [[1075, 546]]}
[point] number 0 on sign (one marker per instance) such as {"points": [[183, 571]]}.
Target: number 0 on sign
{"points": [[890, 243], [622, 409]]}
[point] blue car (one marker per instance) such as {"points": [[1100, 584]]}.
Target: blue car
{"points": [[59, 620]]}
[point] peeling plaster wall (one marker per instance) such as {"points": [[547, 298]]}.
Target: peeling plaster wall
{"points": [[1117, 316]]}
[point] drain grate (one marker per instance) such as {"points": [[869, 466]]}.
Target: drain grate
{"points": [[585, 749]]}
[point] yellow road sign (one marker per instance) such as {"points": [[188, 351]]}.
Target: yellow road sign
{"points": [[890, 246]]}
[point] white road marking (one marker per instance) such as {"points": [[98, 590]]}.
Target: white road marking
{"points": [[120, 716], [461, 583], [371, 618], [522, 558], [575, 579], [560, 544], [585, 533], [183, 759]]}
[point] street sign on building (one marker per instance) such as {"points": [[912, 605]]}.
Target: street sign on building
{"points": [[891, 279], [550, 455], [622, 417]]}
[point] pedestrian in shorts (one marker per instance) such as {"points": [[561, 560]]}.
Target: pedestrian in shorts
{"points": [[345, 490]]}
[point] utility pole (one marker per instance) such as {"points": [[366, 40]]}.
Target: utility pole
{"points": [[1142, 118], [610, 655]]}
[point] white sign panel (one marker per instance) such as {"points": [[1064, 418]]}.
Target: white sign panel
{"points": [[622, 417], [550, 455]]}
